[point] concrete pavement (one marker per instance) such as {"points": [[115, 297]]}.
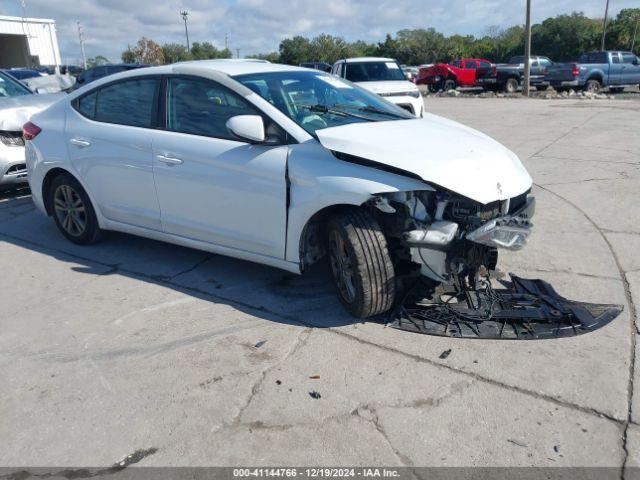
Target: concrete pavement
{"points": [[132, 344]]}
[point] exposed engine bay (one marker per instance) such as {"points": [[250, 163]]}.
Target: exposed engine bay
{"points": [[450, 236], [454, 242]]}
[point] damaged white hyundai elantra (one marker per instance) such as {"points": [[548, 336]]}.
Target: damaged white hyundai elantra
{"points": [[282, 166]]}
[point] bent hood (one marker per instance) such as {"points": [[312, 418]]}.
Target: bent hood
{"points": [[16, 111], [437, 150], [389, 86]]}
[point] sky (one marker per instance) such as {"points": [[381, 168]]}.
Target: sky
{"points": [[257, 26]]}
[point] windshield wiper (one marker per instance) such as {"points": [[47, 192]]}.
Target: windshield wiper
{"points": [[333, 111], [372, 109]]}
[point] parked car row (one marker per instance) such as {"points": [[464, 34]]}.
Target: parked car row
{"points": [[592, 72]]}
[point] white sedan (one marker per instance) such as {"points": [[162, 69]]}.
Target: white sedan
{"points": [[278, 165]]}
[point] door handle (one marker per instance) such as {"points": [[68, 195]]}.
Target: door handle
{"points": [[79, 143], [169, 160]]}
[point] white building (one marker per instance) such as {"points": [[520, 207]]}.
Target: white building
{"points": [[28, 42]]}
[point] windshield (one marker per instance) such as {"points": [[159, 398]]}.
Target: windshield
{"points": [[316, 100], [374, 72], [11, 88]]}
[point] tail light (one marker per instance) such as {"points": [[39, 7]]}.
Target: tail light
{"points": [[30, 131], [494, 71], [575, 71]]}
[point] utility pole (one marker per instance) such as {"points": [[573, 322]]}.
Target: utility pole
{"points": [[527, 52], [604, 25], [81, 38], [237, 53], [185, 14], [635, 30], [226, 41]]}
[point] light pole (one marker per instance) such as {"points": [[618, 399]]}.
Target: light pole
{"points": [[185, 14], [635, 30], [604, 25], [81, 38], [527, 52]]}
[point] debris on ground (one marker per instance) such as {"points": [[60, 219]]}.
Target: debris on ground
{"points": [[315, 395], [278, 382], [260, 343], [445, 354], [315, 377], [516, 443]]}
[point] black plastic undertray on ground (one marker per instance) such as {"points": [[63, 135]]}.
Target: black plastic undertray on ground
{"points": [[529, 310]]}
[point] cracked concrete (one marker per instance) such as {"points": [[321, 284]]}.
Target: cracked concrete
{"points": [[108, 348]]}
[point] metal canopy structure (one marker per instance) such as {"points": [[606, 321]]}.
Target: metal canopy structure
{"points": [[28, 42]]}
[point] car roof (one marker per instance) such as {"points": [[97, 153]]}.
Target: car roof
{"points": [[367, 59], [234, 67], [205, 68]]}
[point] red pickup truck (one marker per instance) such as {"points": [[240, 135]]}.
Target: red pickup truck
{"points": [[459, 73]]}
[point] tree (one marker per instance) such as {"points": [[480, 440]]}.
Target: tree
{"points": [[206, 51], [128, 56], [294, 51], [175, 52], [96, 61], [622, 30], [565, 37], [145, 51], [273, 57]]}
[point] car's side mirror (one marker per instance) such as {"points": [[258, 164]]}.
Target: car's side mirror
{"points": [[247, 127]]}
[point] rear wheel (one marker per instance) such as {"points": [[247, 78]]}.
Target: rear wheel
{"points": [[449, 84], [360, 263], [511, 86], [72, 211], [592, 86]]}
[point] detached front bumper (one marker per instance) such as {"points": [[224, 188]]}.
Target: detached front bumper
{"points": [[508, 231]]}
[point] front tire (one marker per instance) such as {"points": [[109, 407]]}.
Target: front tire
{"points": [[360, 263], [72, 211], [449, 84]]}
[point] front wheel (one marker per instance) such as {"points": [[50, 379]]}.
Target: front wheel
{"points": [[360, 263], [72, 211], [449, 84]]}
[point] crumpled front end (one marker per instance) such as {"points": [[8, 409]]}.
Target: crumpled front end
{"points": [[448, 235], [454, 241]]}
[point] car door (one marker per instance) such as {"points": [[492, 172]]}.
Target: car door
{"points": [[615, 69], [630, 69], [211, 186], [108, 139]]}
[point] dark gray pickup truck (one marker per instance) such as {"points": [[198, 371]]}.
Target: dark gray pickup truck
{"points": [[595, 70], [509, 76]]}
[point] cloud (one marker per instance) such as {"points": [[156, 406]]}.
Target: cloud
{"points": [[258, 26]]}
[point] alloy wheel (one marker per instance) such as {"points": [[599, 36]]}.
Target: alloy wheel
{"points": [[70, 210], [342, 266]]}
